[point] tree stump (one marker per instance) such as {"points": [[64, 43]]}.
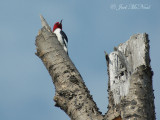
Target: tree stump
{"points": [[130, 81]]}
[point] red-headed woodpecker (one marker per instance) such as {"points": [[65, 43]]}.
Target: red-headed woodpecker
{"points": [[61, 36]]}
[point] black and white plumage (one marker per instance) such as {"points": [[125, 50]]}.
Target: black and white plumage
{"points": [[61, 36]]}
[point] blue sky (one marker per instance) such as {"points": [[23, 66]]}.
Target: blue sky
{"points": [[26, 89]]}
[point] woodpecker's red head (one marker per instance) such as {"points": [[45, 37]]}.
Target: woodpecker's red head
{"points": [[57, 25]]}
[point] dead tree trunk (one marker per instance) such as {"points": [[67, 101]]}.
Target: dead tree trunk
{"points": [[129, 87], [72, 95], [130, 81]]}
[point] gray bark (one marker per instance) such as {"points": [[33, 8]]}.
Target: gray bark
{"points": [[130, 81], [129, 87], [71, 95]]}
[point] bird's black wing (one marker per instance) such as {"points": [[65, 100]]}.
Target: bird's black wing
{"points": [[64, 36]]}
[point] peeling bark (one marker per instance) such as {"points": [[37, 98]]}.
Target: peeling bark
{"points": [[129, 87], [130, 81]]}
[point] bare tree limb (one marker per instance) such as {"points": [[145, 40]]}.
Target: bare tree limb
{"points": [[72, 95]]}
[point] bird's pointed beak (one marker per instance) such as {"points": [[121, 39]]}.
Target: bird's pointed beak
{"points": [[61, 21]]}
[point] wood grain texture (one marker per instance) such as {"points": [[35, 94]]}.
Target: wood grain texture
{"points": [[130, 80]]}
